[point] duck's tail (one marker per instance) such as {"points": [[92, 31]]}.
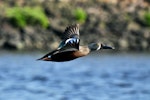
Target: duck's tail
{"points": [[45, 59]]}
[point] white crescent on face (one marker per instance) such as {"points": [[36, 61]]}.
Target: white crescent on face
{"points": [[98, 47]]}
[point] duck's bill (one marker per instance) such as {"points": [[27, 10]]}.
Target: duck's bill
{"points": [[107, 47]]}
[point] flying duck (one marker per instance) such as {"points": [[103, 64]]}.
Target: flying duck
{"points": [[70, 49]]}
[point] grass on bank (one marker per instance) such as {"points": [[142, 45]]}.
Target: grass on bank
{"points": [[80, 15], [147, 18], [23, 16]]}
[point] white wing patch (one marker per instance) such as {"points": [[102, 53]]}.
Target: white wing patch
{"points": [[72, 40], [49, 56]]}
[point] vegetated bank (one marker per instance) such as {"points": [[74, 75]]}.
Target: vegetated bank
{"points": [[38, 25]]}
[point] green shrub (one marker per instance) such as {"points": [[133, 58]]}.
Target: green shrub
{"points": [[147, 18], [22, 16], [80, 15]]}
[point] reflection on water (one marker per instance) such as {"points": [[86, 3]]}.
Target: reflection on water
{"points": [[103, 77]]}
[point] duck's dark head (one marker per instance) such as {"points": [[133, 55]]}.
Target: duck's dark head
{"points": [[98, 46]]}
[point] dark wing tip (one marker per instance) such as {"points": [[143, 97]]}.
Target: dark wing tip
{"points": [[38, 59], [72, 26], [72, 31], [45, 58]]}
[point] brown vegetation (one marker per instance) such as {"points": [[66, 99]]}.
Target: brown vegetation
{"points": [[123, 24]]}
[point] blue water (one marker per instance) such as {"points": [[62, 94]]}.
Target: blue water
{"points": [[94, 77]]}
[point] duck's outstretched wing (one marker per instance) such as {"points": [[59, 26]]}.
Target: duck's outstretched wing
{"points": [[71, 38], [69, 44], [71, 31], [48, 56], [64, 50]]}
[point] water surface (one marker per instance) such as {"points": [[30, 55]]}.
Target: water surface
{"points": [[95, 77]]}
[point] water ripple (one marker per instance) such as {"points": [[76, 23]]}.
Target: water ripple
{"points": [[125, 77]]}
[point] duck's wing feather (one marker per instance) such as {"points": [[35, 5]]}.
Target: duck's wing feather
{"points": [[49, 54], [71, 38], [71, 31], [68, 45], [55, 52], [70, 42]]}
